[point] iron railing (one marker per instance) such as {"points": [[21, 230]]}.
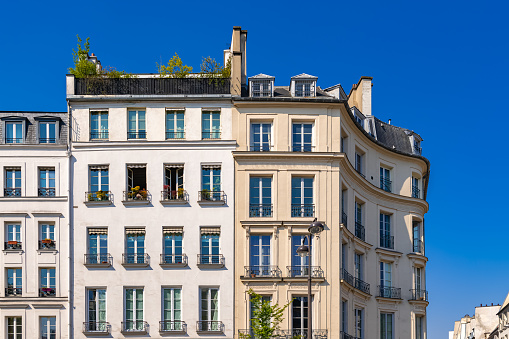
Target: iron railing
{"points": [[260, 148], [102, 327], [286, 334], [302, 148], [209, 326], [46, 192], [13, 140], [344, 218], [360, 173], [303, 210], [12, 192], [210, 259], [211, 135], [206, 195], [141, 195], [174, 195], [418, 294], [134, 326], [99, 259], [47, 244], [416, 192], [387, 241], [360, 231], [302, 271], [173, 326], [135, 259], [13, 245], [173, 259], [262, 271], [13, 291], [98, 196], [99, 135], [260, 210], [175, 135], [355, 282], [150, 86], [347, 277], [47, 140], [344, 335], [137, 135], [418, 246], [389, 292], [47, 292], [385, 184]]}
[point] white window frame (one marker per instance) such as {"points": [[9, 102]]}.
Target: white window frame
{"points": [[209, 303], [16, 232], [261, 123], [48, 326], [14, 277], [208, 114], [50, 228], [358, 266], [48, 123], [174, 114], [15, 333], [100, 131], [172, 309], [15, 136], [137, 122], [135, 310], [97, 301], [302, 145], [299, 88], [385, 316]]}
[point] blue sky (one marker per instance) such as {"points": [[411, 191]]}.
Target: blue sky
{"points": [[439, 67]]}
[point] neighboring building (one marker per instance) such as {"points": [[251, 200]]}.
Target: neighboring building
{"points": [[153, 206], [34, 206], [502, 331], [306, 153], [479, 326]]}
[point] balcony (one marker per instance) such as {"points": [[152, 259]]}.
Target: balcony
{"points": [[47, 292], [12, 192], [137, 135], [419, 295], [344, 335], [134, 327], [46, 192], [389, 292], [96, 328], [212, 197], [150, 86], [173, 260], [358, 170], [303, 148], [47, 244], [179, 196], [260, 210], [13, 291], [99, 135], [260, 148], [344, 218], [47, 140], [286, 334], [210, 260], [303, 272], [385, 184], [210, 327], [136, 196], [261, 271], [135, 260], [360, 231], [354, 282], [13, 245], [303, 211], [387, 241], [172, 326], [175, 135], [13, 140], [416, 192], [418, 246], [99, 197], [98, 260], [210, 135]]}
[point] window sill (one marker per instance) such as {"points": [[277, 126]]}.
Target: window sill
{"points": [[13, 251], [135, 202], [133, 332], [54, 251], [211, 202], [173, 265], [211, 266], [135, 265], [106, 264], [33, 198], [97, 333], [174, 202], [98, 203]]}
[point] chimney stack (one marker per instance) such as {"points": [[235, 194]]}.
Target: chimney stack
{"points": [[238, 62], [360, 95]]}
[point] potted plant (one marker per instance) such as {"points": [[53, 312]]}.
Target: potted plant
{"points": [[142, 194], [12, 242], [47, 241], [90, 197], [180, 193], [205, 194], [101, 195]]}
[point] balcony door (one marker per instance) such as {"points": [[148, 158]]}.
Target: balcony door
{"points": [[260, 255], [135, 246], [302, 197], [261, 136], [209, 309], [300, 265], [134, 309], [300, 316], [96, 309]]}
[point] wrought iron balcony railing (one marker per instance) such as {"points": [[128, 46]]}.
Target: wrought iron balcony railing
{"points": [[47, 292], [346, 277], [385, 184], [210, 326], [97, 327], [304, 210], [98, 196], [150, 86], [360, 231], [13, 140], [13, 291], [354, 282], [104, 259], [141, 195], [47, 140], [358, 170], [211, 135], [303, 333], [135, 259], [418, 246], [174, 195], [175, 135], [134, 326], [262, 271], [303, 271], [173, 326], [387, 241], [13, 245], [389, 292], [46, 192], [174, 259], [12, 192], [344, 218], [260, 148], [344, 335], [210, 259], [47, 244], [99, 135], [207, 195], [303, 148], [260, 210], [416, 192], [137, 135], [418, 294]]}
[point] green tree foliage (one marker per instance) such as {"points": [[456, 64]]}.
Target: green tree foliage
{"points": [[210, 68], [175, 68], [83, 68]]}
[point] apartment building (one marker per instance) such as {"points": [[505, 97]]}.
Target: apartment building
{"points": [[304, 153], [34, 198], [153, 205]]}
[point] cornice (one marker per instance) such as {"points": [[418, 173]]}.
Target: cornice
{"points": [[78, 145]]}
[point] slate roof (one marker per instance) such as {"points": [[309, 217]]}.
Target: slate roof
{"points": [[393, 137], [284, 91], [304, 76]]}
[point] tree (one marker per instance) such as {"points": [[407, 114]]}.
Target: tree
{"points": [[83, 68], [175, 68]]}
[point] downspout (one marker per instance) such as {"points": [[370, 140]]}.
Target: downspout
{"points": [[71, 225]]}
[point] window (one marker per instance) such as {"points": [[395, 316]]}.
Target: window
{"points": [[14, 132], [304, 88], [14, 328], [386, 325], [97, 246], [385, 179], [136, 182], [344, 316], [48, 288], [343, 144], [136, 125], [134, 310], [47, 237], [302, 197], [13, 237], [259, 259], [359, 323], [300, 265], [385, 279], [99, 183], [48, 326], [302, 135], [211, 183], [264, 299], [173, 182], [416, 235], [99, 125], [12, 182], [172, 250], [172, 309], [419, 327], [300, 315], [209, 309], [260, 197], [344, 216], [211, 125], [48, 132], [416, 192], [261, 88], [344, 261], [261, 137], [359, 227], [359, 160], [46, 182], [175, 125], [417, 146], [14, 282], [96, 310], [417, 280], [135, 246], [358, 262], [209, 252], [386, 239]]}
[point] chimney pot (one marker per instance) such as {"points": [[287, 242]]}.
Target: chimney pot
{"points": [[389, 121]]}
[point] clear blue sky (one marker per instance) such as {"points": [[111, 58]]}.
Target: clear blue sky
{"points": [[439, 67]]}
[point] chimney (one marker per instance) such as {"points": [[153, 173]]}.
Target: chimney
{"points": [[93, 58], [360, 95], [389, 121], [238, 62]]}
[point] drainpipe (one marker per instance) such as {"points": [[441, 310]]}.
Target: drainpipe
{"points": [[71, 225]]}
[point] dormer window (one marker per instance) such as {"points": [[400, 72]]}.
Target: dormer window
{"points": [[261, 85], [417, 146], [303, 85], [14, 129], [303, 88]]}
